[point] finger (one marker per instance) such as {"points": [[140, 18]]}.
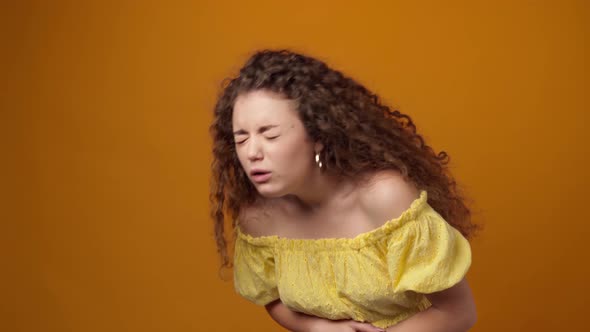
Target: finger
{"points": [[364, 327]]}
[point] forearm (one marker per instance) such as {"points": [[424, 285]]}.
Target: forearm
{"points": [[434, 319], [291, 320]]}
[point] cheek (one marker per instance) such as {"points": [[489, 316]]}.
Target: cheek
{"points": [[242, 158], [291, 157]]}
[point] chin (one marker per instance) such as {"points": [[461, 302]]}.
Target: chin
{"points": [[269, 193]]}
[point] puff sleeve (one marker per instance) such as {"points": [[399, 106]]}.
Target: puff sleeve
{"points": [[427, 255], [254, 271]]}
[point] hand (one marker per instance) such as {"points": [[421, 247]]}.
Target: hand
{"points": [[343, 326]]}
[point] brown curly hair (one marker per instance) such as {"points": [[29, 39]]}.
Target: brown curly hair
{"points": [[360, 135]]}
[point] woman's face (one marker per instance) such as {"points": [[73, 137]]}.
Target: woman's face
{"points": [[271, 143]]}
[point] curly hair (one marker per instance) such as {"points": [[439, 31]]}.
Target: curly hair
{"points": [[359, 132]]}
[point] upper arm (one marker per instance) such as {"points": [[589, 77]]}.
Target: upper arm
{"points": [[387, 195], [457, 300]]}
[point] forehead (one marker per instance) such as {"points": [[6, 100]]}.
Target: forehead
{"points": [[261, 107]]}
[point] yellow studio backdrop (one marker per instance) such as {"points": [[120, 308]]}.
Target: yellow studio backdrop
{"points": [[105, 117]]}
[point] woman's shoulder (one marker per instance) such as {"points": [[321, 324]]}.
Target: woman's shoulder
{"points": [[385, 195], [260, 218]]}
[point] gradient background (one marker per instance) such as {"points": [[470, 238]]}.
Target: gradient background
{"points": [[106, 151]]}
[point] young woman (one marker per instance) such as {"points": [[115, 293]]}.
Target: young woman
{"points": [[343, 218]]}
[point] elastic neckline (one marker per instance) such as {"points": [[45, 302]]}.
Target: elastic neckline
{"points": [[356, 242]]}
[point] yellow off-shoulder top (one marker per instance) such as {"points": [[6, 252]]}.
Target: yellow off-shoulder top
{"points": [[378, 277]]}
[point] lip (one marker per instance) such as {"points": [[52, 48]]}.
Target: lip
{"points": [[258, 170], [260, 178]]}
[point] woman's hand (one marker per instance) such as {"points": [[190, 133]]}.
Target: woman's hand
{"points": [[343, 326], [300, 322]]}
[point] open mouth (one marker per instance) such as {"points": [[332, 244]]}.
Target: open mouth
{"points": [[261, 176]]}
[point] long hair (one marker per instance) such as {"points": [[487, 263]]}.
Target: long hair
{"points": [[359, 132]]}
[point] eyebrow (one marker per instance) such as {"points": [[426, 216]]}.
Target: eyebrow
{"points": [[260, 130]]}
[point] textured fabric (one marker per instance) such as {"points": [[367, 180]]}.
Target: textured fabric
{"points": [[378, 277]]}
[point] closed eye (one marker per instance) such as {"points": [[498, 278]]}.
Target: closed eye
{"points": [[269, 138]]}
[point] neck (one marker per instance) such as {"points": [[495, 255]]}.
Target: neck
{"points": [[319, 191]]}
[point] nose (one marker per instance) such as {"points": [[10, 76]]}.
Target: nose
{"points": [[254, 150]]}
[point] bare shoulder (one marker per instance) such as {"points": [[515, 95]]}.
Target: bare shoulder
{"points": [[257, 219], [386, 195]]}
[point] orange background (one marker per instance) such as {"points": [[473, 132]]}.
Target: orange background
{"points": [[105, 121]]}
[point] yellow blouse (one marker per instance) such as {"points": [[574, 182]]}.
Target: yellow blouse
{"points": [[378, 277]]}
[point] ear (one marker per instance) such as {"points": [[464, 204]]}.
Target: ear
{"points": [[318, 147]]}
